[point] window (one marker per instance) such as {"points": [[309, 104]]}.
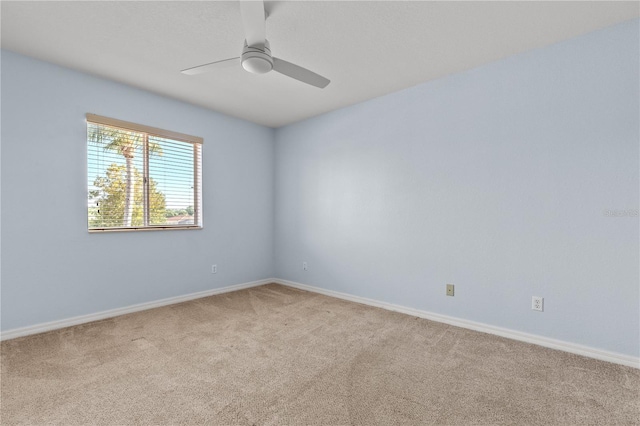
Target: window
{"points": [[141, 178]]}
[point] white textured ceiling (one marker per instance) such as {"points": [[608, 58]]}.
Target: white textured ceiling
{"points": [[367, 49]]}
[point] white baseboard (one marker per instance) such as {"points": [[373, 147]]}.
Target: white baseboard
{"points": [[53, 325], [573, 348]]}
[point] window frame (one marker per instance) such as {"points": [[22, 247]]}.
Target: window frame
{"points": [[165, 134]]}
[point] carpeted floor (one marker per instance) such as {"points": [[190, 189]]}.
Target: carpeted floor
{"points": [[273, 355]]}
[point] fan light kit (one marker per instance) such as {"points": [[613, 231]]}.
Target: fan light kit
{"points": [[257, 61], [256, 55]]}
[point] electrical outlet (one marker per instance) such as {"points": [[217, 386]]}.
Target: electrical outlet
{"points": [[537, 303], [450, 289], [214, 269], [304, 266]]}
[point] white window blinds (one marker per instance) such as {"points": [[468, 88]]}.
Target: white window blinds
{"points": [[142, 178]]}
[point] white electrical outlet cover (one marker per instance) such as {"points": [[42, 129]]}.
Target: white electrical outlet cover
{"points": [[537, 303]]}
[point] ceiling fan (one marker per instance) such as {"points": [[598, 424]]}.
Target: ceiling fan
{"points": [[256, 54]]}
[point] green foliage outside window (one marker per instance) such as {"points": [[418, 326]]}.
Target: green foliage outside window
{"points": [[110, 199]]}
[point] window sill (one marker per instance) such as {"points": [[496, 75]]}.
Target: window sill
{"points": [[143, 228]]}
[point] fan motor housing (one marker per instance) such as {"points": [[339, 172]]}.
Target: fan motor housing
{"points": [[257, 60]]}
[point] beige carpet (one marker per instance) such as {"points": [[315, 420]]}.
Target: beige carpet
{"points": [[273, 355]]}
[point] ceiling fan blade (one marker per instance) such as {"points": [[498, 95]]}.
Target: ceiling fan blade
{"points": [[225, 63], [299, 73], [253, 20]]}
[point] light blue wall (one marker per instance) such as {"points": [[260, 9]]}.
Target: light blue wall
{"points": [[52, 268], [495, 179]]}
